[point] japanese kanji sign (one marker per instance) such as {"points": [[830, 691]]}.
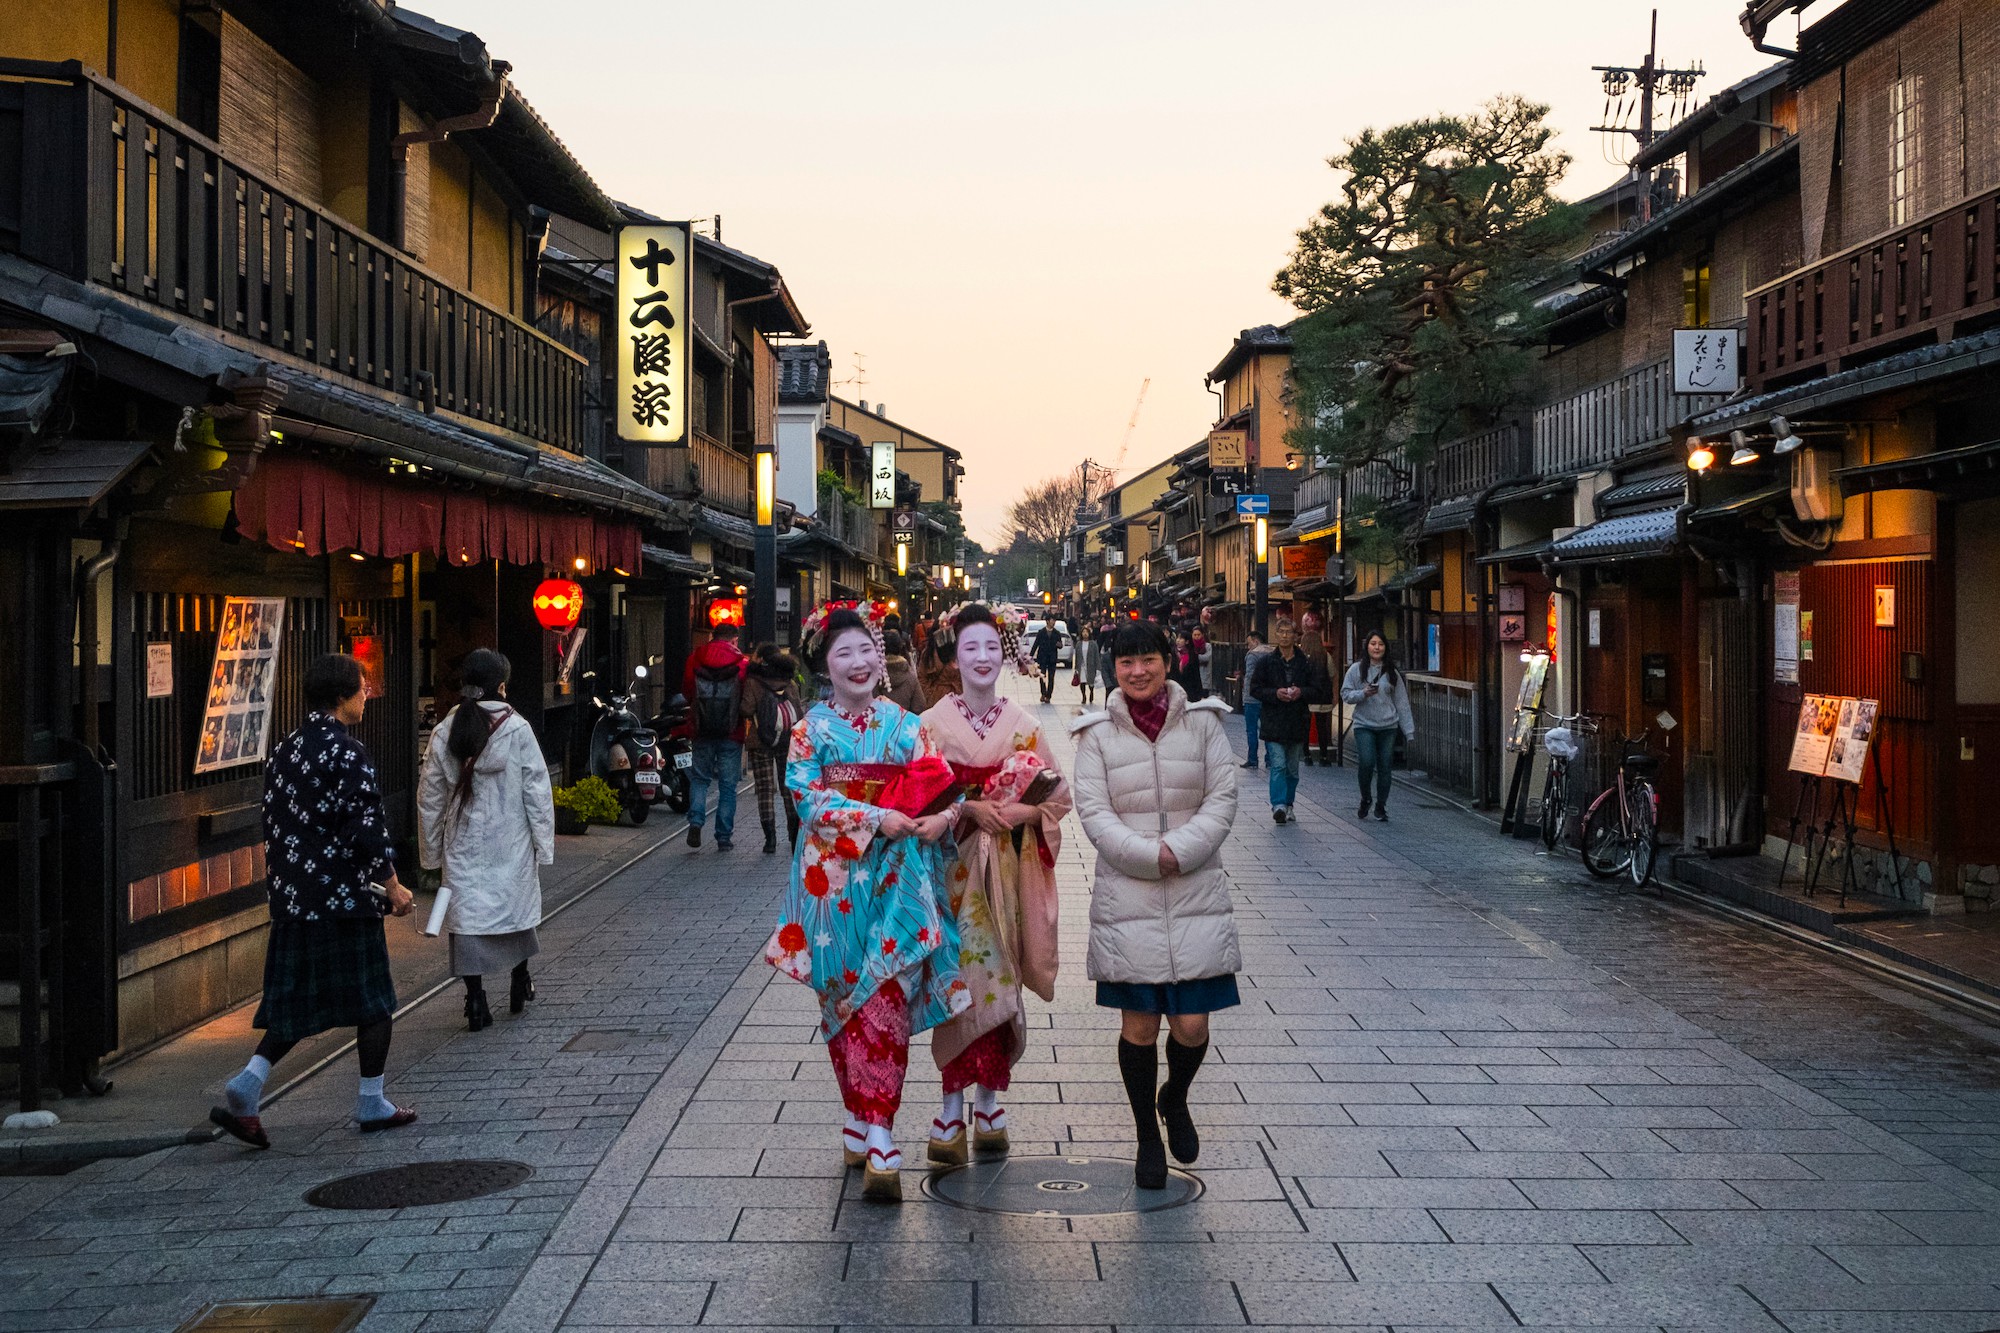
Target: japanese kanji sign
{"points": [[654, 275], [882, 476], [1705, 361]]}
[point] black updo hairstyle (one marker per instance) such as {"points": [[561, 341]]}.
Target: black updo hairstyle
{"points": [[837, 623], [1139, 638], [485, 671], [972, 613]]}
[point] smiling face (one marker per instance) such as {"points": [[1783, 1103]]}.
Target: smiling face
{"points": [[852, 663], [980, 657], [1378, 648], [1142, 677]]}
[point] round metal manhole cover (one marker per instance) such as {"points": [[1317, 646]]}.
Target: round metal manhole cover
{"points": [[419, 1183], [1056, 1187]]}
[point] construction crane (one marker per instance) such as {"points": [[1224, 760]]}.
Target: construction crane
{"points": [[1094, 479], [1125, 444]]}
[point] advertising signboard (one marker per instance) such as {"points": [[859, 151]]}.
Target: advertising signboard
{"points": [[655, 268]]}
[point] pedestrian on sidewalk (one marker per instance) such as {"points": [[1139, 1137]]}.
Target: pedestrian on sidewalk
{"points": [[937, 669], [1155, 786], [713, 684], [1107, 669], [1185, 668], [1254, 651], [485, 818], [1287, 682], [1002, 886], [771, 708], [1381, 699], [332, 877], [1047, 647], [867, 918], [905, 689], [1087, 654]]}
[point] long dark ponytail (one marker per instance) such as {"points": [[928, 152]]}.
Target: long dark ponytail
{"points": [[484, 673]]}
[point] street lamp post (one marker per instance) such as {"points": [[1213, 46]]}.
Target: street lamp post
{"points": [[764, 549], [1263, 577]]}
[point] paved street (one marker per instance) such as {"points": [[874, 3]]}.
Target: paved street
{"points": [[1467, 1088]]}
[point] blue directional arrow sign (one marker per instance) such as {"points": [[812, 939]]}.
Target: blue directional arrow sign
{"points": [[1250, 507]]}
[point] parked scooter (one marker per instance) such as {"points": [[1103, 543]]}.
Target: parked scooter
{"points": [[671, 722], [625, 752]]}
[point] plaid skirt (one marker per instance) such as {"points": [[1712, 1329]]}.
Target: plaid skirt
{"points": [[325, 974]]}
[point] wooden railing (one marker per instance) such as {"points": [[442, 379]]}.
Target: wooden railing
{"points": [[855, 524], [1468, 466], [113, 191], [1616, 419], [1922, 279], [1387, 478], [710, 468], [1446, 746]]}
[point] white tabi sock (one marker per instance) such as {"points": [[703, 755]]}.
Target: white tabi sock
{"points": [[953, 1110], [987, 1103], [882, 1151], [854, 1134]]}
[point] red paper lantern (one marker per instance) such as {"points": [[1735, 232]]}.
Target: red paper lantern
{"points": [[558, 603], [725, 611]]}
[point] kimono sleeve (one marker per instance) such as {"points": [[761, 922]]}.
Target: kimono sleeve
{"points": [[1060, 801], [822, 810]]}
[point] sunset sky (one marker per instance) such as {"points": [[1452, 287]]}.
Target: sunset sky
{"points": [[1015, 214]]}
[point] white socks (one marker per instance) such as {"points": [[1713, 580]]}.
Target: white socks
{"points": [[954, 1110], [882, 1151], [244, 1091], [371, 1104], [986, 1102]]}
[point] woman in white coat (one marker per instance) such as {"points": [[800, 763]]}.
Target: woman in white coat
{"points": [[1155, 787], [486, 819]]}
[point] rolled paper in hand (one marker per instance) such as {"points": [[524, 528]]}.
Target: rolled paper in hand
{"points": [[438, 909]]}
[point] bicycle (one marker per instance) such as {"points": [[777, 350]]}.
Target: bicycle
{"points": [[1620, 829], [1563, 743]]}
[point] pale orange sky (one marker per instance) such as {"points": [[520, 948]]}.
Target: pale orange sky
{"points": [[1019, 212]]}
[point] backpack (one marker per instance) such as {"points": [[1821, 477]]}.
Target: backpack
{"points": [[718, 693], [777, 714]]}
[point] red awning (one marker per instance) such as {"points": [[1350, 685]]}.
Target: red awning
{"points": [[301, 504]]}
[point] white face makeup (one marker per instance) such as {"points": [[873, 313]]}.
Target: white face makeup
{"points": [[852, 664], [980, 658]]}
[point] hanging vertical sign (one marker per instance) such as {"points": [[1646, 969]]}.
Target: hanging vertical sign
{"points": [[1785, 625], [655, 277], [882, 476]]}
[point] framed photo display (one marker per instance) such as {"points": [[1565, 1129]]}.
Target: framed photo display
{"points": [[236, 723]]}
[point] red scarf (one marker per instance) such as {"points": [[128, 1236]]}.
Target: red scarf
{"points": [[1148, 715]]}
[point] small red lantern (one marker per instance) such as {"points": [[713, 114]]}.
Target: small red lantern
{"points": [[558, 603], [725, 611]]}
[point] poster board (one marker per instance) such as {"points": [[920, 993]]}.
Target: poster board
{"points": [[1852, 735], [1812, 739], [1528, 705], [236, 723]]}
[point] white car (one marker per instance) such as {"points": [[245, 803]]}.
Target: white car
{"points": [[1066, 649]]}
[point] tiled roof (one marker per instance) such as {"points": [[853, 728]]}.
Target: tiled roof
{"points": [[1648, 532], [804, 372], [1973, 352], [1249, 342]]}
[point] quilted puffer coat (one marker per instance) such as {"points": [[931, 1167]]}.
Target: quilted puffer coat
{"points": [[1133, 794]]}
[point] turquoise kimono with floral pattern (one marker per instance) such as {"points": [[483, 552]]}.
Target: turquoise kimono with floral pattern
{"points": [[862, 909]]}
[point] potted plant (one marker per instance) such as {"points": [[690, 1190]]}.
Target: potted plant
{"points": [[583, 803]]}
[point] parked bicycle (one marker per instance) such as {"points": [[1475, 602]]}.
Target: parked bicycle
{"points": [[1621, 828], [1563, 743]]}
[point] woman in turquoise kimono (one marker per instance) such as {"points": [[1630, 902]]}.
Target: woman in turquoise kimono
{"points": [[867, 920]]}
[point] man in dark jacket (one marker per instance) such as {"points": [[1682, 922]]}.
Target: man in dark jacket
{"points": [[1046, 647], [713, 685], [1287, 683]]}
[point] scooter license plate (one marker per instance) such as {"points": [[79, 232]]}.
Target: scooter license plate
{"points": [[683, 761], [646, 779]]}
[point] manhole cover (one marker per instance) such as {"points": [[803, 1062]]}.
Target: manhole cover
{"points": [[1056, 1187], [331, 1314], [418, 1184]]}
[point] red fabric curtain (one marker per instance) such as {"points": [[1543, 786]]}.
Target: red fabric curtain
{"points": [[301, 504]]}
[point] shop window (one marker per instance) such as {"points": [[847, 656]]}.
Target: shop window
{"points": [[1695, 286], [1906, 148]]}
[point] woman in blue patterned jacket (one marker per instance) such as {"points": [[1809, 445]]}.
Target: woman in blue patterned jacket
{"points": [[332, 879]]}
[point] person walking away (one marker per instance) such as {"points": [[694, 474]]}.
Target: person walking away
{"points": [[332, 878], [1204, 655], [1003, 888], [904, 687], [1155, 787], [1321, 736], [771, 709], [485, 818], [1254, 650], [1381, 700], [713, 684], [1087, 645], [1186, 668], [1287, 682], [1047, 647], [1105, 666], [866, 920]]}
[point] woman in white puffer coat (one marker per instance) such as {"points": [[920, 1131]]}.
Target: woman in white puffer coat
{"points": [[1155, 787]]}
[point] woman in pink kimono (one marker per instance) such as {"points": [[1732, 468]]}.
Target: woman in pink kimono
{"points": [[1003, 891]]}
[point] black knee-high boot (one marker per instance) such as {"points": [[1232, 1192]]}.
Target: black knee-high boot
{"points": [[1139, 1066], [1182, 1062]]}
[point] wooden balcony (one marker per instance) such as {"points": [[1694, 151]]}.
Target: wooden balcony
{"points": [[1619, 418], [708, 469], [1916, 284], [1470, 465], [98, 185], [1385, 479], [857, 525]]}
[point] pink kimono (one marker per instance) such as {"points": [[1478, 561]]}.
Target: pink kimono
{"points": [[1002, 894]]}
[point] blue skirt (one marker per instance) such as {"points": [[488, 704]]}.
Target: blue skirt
{"points": [[1204, 995]]}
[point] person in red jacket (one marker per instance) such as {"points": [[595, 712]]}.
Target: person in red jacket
{"points": [[713, 684]]}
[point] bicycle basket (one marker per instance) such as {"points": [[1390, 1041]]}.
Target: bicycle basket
{"points": [[1561, 743]]}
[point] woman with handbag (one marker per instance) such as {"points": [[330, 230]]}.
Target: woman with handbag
{"points": [[866, 920], [770, 711], [1003, 888], [1085, 677], [485, 818]]}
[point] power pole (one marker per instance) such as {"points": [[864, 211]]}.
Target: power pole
{"points": [[1650, 80]]}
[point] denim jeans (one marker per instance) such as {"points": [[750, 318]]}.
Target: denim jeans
{"points": [[1282, 758], [1374, 753], [1253, 712], [720, 762]]}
